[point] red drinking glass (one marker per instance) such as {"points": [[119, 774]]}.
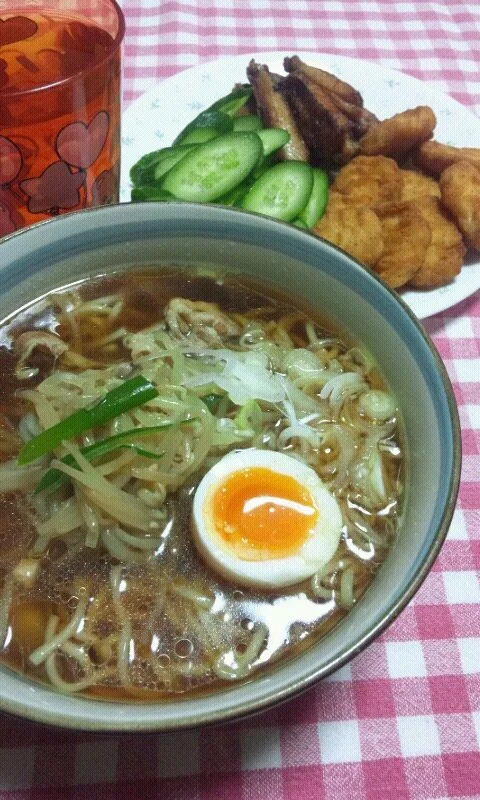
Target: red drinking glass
{"points": [[60, 99]]}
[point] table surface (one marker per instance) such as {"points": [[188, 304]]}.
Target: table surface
{"points": [[402, 720]]}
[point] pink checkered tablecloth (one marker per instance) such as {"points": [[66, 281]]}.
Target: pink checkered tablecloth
{"points": [[402, 720]]}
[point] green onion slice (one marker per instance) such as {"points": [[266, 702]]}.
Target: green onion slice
{"points": [[54, 478], [132, 393]]}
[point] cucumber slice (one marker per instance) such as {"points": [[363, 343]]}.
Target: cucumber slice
{"points": [[263, 165], [317, 201], [200, 135], [282, 191], [234, 101], [213, 169], [235, 196], [298, 222], [214, 116], [171, 156], [143, 172], [204, 127], [145, 194], [248, 122], [273, 139]]}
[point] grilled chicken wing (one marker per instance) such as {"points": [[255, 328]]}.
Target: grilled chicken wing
{"points": [[319, 76], [329, 112], [345, 98], [275, 111]]}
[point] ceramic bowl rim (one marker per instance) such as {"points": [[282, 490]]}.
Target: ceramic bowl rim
{"points": [[146, 722]]}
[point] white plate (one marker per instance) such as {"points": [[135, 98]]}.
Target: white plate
{"points": [[155, 119]]}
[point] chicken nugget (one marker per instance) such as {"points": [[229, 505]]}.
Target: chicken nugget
{"points": [[355, 229], [433, 157], [367, 180], [417, 185], [406, 238], [460, 188], [397, 135], [444, 257]]}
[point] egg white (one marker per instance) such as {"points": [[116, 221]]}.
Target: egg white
{"points": [[269, 573]]}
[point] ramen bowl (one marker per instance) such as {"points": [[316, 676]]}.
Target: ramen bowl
{"points": [[68, 250]]}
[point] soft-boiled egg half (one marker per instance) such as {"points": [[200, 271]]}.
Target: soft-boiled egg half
{"points": [[264, 519]]}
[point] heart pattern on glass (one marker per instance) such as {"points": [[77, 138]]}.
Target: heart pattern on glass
{"points": [[80, 145], [15, 29]]}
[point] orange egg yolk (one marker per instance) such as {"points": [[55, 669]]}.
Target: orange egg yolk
{"points": [[263, 514]]}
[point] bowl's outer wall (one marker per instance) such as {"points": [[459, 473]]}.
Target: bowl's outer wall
{"points": [[103, 240]]}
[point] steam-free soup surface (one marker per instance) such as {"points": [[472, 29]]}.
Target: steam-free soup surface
{"points": [[102, 588]]}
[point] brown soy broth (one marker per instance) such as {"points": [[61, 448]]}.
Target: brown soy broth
{"points": [[293, 618], [146, 292]]}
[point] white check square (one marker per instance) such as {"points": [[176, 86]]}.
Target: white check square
{"points": [[458, 528], [405, 660], [418, 736], [467, 370], [461, 587], [473, 412], [339, 741], [469, 650]]}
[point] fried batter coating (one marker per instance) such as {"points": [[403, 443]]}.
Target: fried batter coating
{"points": [[417, 185], [368, 180], [433, 157], [397, 135], [406, 236], [355, 229], [445, 254], [460, 187]]}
